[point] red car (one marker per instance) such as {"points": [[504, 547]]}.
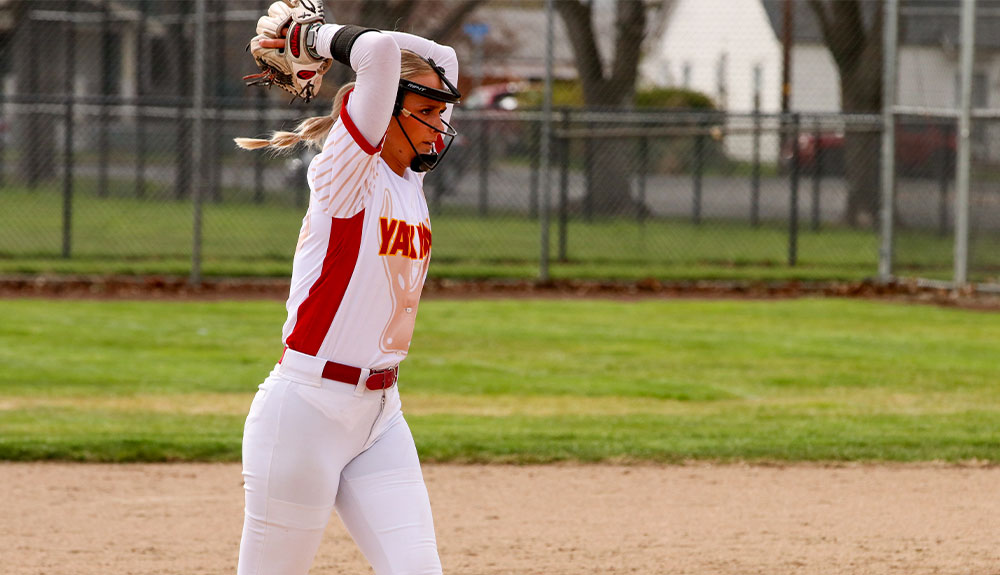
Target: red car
{"points": [[921, 150]]}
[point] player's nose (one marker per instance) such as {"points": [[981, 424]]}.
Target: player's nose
{"points": [[437, 123]]}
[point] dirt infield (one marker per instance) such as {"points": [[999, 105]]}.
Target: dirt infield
{"points": [[75, 519]]}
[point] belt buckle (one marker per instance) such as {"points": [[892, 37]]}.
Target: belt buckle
{"points": [[387, 376]]}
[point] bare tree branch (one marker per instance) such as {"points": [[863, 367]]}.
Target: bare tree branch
{"points": [[819, 8], [630, 25], [453, 19], [843, 29], [577, 17]]}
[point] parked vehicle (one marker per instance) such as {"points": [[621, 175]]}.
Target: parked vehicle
{"points": [[921, 150], [488, 122], [500, 96]]}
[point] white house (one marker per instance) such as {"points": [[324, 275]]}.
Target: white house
{"points": [[727, 50], [723, 48], [928, 67], [732, 51]]}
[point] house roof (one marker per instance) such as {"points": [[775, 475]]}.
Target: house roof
{"points": [[515, 44], [922, 22]]}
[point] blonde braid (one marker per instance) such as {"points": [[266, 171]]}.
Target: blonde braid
{"points": [[313, 131]]}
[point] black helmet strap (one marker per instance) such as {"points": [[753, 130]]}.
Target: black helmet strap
{"points": [[429, 161]]}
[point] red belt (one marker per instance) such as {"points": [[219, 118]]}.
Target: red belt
{"points": [[377, 379]]}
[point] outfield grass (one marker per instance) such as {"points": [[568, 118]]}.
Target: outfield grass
{"points": [[124, 235], [526, 381]]}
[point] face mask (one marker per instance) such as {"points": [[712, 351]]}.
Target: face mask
{"points": [[429, 161]]}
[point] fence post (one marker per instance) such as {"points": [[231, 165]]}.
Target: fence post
{"points": [[534, 151], [793, 201], [218, 122], [890, 61], [546, 148], [34, 30], [588, 161], [755, 173], [197, 138], [6, 121], [817, 174], [182, 175], [484, 167], [944, 168], [140, 103], [699, 167], [643, 174], [967, 58], [70, 72], [103, 146], [563, 185]]}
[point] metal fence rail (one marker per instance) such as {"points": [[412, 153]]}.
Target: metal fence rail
{"points": [[692, 178]]}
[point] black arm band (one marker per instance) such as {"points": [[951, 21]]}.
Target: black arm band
{"points": [[343, 41]]}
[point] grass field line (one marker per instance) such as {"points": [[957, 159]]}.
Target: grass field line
{"points": [[505, 406]]}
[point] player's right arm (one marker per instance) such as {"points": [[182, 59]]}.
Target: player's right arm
{"points": [[444, 56], [342, 174]]}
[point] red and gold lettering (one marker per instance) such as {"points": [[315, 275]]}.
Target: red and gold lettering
{"points": [[425, 241], [400, 238], [403, 244], [388, 229]]}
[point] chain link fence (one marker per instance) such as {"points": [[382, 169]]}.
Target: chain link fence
{"points": [[930, 91], [97, 172]]}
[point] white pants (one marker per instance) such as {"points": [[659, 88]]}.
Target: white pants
{"points": [[312, 445]]}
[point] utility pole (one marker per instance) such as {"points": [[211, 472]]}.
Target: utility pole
{"points": [[786, 55]]}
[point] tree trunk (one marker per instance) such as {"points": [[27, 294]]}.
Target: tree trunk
{"points": [[861, 156], [852, 30], [861, 92], [609, 168], [610, 161]]}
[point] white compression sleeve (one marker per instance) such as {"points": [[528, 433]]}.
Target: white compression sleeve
{"points": [[369, 61], [375, 59], [443, 56]]}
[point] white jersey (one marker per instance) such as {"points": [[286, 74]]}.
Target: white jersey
{"points": [[362, 256], [365, 243]]}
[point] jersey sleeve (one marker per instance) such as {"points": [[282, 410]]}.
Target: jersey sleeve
{"points": [[342, 175]]}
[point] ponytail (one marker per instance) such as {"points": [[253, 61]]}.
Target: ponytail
{"points": [[313, 131]]}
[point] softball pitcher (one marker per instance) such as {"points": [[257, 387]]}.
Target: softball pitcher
{"points": [[325, 431]]}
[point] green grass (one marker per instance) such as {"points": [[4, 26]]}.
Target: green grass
{"points": [[526, 380], [123, 235]]}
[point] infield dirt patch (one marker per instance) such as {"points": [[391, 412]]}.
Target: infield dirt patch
{"points": [[84, 519]]}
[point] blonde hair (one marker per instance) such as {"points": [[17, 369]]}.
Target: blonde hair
{"points": [[314, 131]]}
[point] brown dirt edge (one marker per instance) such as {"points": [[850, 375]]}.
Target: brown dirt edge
{"points": [[180, 288]]}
